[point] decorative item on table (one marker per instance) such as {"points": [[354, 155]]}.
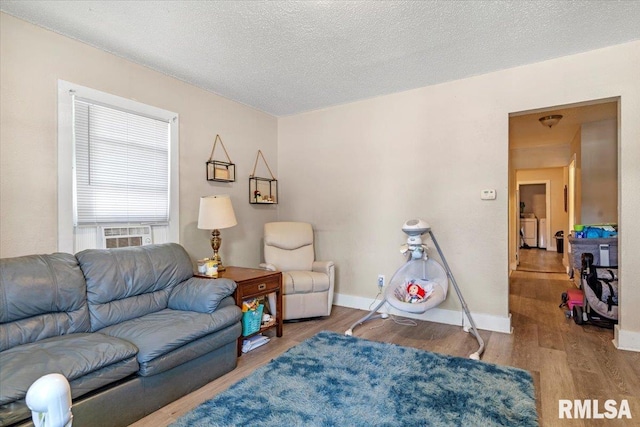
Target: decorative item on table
{"points": [[262, 190], [251, 316], [202, 266], [216, 212], [212, 268], [217, 170]]}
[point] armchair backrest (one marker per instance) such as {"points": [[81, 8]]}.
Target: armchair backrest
{"points": [[289, 245]]}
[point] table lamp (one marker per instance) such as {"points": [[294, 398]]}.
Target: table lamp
{"points": [[216, 212]]}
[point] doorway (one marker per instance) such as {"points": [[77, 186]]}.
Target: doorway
{"points": [[560, 157], [570, 157], [535, 221]]}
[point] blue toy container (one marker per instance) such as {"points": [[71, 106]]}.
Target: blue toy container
{"points": [[251, 321]]}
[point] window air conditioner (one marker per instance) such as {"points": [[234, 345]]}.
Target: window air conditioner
{"points": [[122, 237]]}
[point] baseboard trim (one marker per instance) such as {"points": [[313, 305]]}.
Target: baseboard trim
{"points": [[483, 321], [626, 340]]}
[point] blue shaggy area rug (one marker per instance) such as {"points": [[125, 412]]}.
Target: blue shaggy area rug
{"points": [[336, 380]]}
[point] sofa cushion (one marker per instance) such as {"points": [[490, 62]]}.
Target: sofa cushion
{"points": [[301, 282], [74, 356], [158, 334], [127, 283], [41, 296], [192, 351], [201, 295]]}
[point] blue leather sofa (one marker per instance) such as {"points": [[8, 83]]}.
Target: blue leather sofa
{"points": [[131, 329]]}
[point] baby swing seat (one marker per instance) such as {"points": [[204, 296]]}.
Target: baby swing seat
{"points": [[427, 273]]}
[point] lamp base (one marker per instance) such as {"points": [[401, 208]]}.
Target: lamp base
{"points": [[216, 257], [216, 242]]}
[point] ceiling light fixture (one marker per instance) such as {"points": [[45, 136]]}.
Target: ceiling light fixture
{"points": [[550, 121]]}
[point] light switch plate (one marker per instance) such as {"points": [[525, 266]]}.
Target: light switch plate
{"points": [[488, 194]]}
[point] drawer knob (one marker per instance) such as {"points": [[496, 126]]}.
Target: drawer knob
{"points": [[262, 286]]}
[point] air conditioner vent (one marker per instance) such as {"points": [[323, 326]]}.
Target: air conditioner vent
{"points": [[122, 237]]}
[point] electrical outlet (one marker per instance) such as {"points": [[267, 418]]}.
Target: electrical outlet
{"points": [[380, 280]]}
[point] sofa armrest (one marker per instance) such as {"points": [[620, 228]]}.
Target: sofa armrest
{"points": [[200, 295], [322, 267], [267, 266]]}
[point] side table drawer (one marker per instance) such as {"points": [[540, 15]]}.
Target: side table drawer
{"points": [[266, 286]]}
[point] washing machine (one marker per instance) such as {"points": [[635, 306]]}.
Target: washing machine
{"points": [[529, 228], [542, 233]]}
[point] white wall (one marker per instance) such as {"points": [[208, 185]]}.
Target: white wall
{"points": [[599, 162], [358, 171], [33, 59]]}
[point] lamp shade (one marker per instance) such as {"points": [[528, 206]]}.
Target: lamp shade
{"points": [[216, 212]]}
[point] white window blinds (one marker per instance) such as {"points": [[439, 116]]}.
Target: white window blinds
{"points": [[121, 166]]}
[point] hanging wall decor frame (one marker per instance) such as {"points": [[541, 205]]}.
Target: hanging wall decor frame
{"points": [[218, 170], [262, 191]]}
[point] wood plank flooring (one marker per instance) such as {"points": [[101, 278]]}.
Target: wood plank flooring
{"points": [[567, 361], [540, 261]]}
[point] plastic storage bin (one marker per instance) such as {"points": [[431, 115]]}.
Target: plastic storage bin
{"points": [[251, 321]]}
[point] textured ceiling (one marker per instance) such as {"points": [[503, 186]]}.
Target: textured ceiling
{"points": [[286, 57]]}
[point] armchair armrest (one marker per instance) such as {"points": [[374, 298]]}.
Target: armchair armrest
{"points": [[200, 295], [268, 266], [322, 267]]}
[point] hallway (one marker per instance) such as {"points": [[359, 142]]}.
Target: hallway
{"points": [[540, 261]]}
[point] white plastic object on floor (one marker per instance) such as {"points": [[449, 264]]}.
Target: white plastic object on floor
{"points": [[49, 399]]}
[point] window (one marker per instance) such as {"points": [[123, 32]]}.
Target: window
{"points": [[117, 165], [122, 166]]}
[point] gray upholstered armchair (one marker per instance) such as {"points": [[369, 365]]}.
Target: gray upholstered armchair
{"points": [[308, 284]]}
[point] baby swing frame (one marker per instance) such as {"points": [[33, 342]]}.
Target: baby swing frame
{"points": [[418, 253]]}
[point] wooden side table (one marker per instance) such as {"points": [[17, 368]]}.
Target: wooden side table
{"points": [[252, 283]]}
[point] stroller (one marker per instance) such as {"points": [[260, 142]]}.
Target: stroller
{"points": [[600, 287]]}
